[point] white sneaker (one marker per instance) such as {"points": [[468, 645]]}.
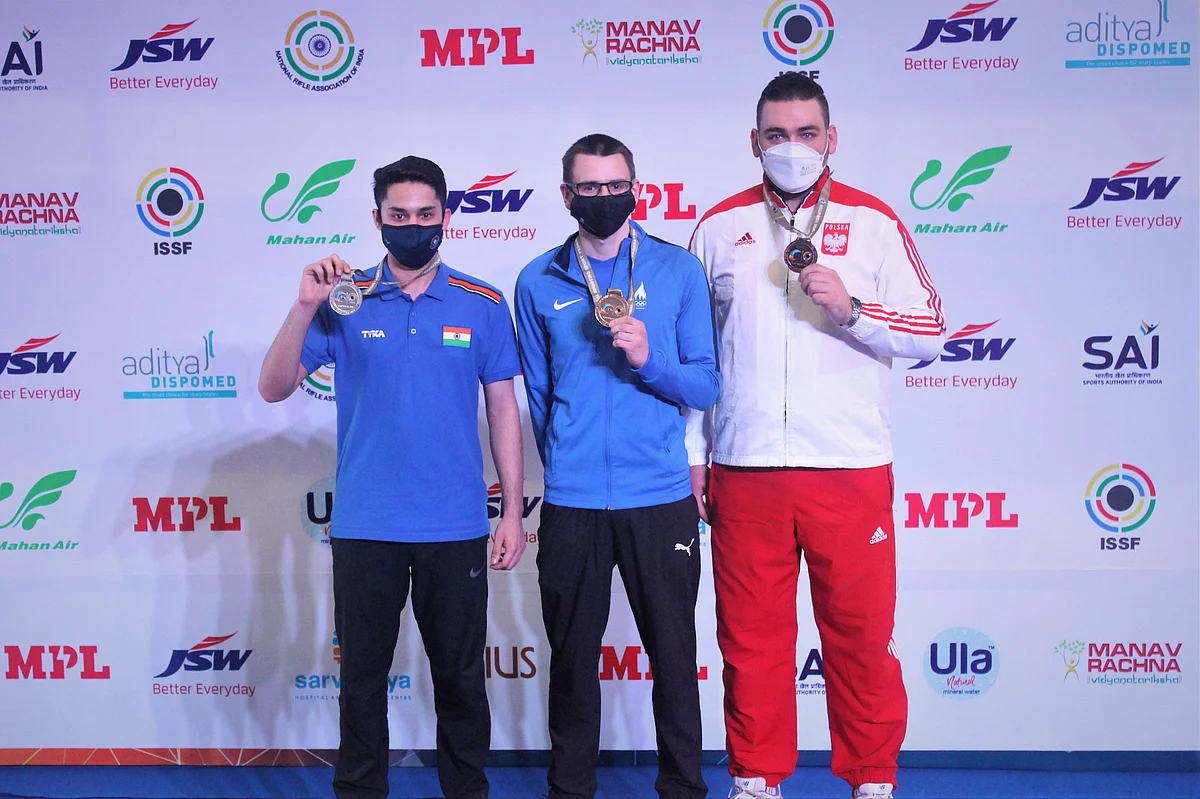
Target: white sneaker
{"points": [[753, 788], [874, 790]]}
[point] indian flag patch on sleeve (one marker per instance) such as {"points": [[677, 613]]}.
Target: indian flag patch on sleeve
{"points": [[456, 337]]}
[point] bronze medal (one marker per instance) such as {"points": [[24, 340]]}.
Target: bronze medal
{"points": [[799, 254], [611, 307]]}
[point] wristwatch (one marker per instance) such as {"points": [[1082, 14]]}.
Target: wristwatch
{"points": [[855, 310]]}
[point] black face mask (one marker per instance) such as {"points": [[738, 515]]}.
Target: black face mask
{"points": [[603, 214], [412, 245]]}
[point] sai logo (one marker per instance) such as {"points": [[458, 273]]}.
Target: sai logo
{"points": [[26, 63], [962, 663], [170, 203], [798, 33], [318, 510], [319, 384], [1120, 499], [319, 53]]}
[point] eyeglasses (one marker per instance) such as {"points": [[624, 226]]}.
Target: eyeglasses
{"points": [[591, 188]]}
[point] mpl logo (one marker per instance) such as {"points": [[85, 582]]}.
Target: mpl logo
{"points": [[798, 33], [965, 25], [810, 678], [509, 663], [323, 182], [495, 509], [317, 511], [23, 62], [1133, 361], [161, 517], [319, 384], [627, 665], [30, 358], [53, 662], [653, 196], [958, 510], [450, 49], [163, 47], [170, 203], [1120, 498], [966, 346], [961, 663], [204, 657]]}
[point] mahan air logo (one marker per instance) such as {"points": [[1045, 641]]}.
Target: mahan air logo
{"points": [[45, 492], [798, 34], [976, 170], [322, 183], [1120, 498], [319, 52]]}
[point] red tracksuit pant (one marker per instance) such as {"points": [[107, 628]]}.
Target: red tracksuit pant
{"points": [[764, 520]]}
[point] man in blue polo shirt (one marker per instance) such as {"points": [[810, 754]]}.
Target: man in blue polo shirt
{"points": [[616, 341], [412, 341]]}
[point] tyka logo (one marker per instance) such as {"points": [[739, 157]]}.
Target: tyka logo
{"points": [[161, 516], [53, 662], [1120, 498], [1128, 184], [170, 203], [203, 657], [44, 493], [449, 50], [966, 346], [323, 182], [958, 510], [627, 666], [30, 358], [163, 47], [962, 663], [1133, 361], [965, 25], [798, 33], [317, 513], [653, 196], [977, 169], [23, 64], [319, 53], [1141, 39]]}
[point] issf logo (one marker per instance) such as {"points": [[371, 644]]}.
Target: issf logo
{"points": [[798, 33], [1120, 498], [170, 203]]}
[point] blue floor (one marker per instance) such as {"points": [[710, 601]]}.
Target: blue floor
{"points": [[174, 782]]}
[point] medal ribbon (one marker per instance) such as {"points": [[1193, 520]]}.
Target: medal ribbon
{"points": [[589, 276], [818, 213], [368, 286]]}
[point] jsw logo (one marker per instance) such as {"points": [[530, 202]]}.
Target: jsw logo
{"points": [[481, 198], [202, 657], [1124, 186], [160, 47], [626, 667], [32, 665], [484, 41], [495, 503], [957, 510], [964, 26], [963, 346], [24, 361], [161, 517], [652, 197]]}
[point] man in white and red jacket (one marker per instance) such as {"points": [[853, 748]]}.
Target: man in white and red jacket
{"points": [[800, 447]]}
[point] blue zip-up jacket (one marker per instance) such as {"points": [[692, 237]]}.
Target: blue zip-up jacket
{"points": [[611, 436]]}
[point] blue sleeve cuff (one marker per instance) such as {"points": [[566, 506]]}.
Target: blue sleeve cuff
{"points": [[654, 366]]}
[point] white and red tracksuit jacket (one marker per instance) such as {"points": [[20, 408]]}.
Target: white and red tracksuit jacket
{"points": [[797, 389]]}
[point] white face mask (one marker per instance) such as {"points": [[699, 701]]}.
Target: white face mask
{"points": [[793, 166]]}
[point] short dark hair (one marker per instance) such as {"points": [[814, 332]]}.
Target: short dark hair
{"points": [[410, 169], [792, 86], [599, 144]]}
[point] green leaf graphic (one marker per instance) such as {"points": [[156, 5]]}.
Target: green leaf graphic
{"points": [[321, 183], [6, 490], [975, 170], [45, 492], [30, 521]]}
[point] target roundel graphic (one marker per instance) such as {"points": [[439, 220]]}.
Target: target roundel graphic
{"points": [[170, 202], [319, 46], [798, 32], [1120, 498]]}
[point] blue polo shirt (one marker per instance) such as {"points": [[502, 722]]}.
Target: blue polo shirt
{"points": [[409, 460]]}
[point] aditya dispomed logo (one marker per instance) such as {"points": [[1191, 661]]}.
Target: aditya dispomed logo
{"points": [[319, 383], [961, 663], [170, 203], [798, 33], [1120, 498], [319, 52]]}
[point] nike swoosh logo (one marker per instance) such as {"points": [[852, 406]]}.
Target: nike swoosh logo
{"points": [[475, 572], [558, 306]]}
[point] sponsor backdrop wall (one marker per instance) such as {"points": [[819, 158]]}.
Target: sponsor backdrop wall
{"points": [[170, 169]]}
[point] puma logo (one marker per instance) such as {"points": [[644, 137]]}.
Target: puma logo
{"points": [[687, 549]]}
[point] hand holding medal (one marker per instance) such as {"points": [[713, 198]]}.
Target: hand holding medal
{"points": [[613, 305], [801, 253]]}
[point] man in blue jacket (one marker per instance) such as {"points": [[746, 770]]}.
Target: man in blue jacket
{"points": [[616, 341]]}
